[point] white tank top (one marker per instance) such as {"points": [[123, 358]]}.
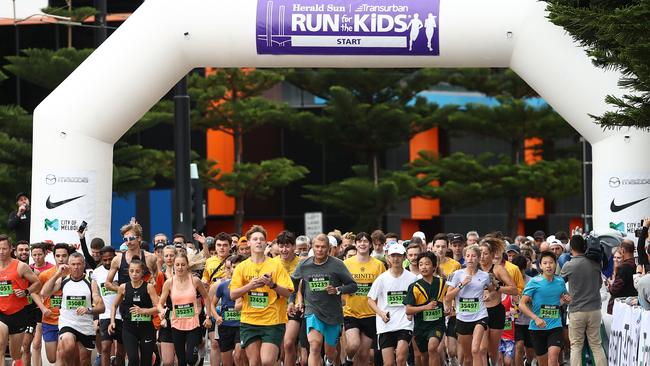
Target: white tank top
{"points": [[108, 296], [76, 294]]}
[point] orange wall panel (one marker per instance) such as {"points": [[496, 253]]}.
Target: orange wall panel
{"points": [[422, 208], [534, 208], [408, 227], [220, 147]]}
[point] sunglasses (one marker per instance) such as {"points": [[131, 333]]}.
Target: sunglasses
{"points": [[129, 238]]}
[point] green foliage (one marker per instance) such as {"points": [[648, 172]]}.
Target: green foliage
{"points": [[46, 68], [363, 201], [75, 14], [617, 36], [260, 180]]}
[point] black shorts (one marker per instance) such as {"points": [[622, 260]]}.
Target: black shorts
{"points": [[298, 317], [390, 339], [16, 322], [366, 326], [228, 338], [88, 341], [302, 335], [103, 330], [497, 317], [545, 339], [467, 328], [165, 335], [451, 327], [422, 336], [523, 334], [35, 316]]}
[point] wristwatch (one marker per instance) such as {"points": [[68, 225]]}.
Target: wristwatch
{"points": [[26, 292], [89, 310], [460, 287]]}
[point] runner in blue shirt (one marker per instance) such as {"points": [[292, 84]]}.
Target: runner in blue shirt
{"points": [[546, 292], [227, 317]]}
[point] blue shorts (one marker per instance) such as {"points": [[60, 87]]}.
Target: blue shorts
{"points": [[330, 332], [50, 332]]}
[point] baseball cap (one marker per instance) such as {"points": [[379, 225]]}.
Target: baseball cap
{"points": [[396, 249], [21, 194], [553, 241], [420, 235], [332, 241], [457, 237], [513, 248], [242, 241], [539, 234]]}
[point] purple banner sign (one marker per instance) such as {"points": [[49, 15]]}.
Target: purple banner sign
{"points": [[340, 27]]}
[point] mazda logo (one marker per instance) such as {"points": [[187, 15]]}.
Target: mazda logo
{"points": [[50, 179], [614, 182]]}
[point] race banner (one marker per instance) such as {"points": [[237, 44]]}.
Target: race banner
{"points": [[627, 329], [348, 27], [625, 198], [69, 199]]}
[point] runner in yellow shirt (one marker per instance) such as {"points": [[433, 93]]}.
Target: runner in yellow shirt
{"points": [[359, 318], [447, 265], [264, 285], [286, 242]]}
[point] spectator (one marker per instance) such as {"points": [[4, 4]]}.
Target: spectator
{"points": [[472, 238], [623, 284], [18, 220], [584, 280], [641, 246], [644, 285]]}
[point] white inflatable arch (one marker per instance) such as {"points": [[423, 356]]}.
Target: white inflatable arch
{"points": [[76, 126]]}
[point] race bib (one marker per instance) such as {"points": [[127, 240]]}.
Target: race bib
{"points": [[318, 283], [258, 300], [549, 312], [184, 311], [104, 291], [363, 289], [6, 288], [395, 298], [55, 301], [231, 316], [432, 315], [140, 318], [73, 302], [508, 325], [468, 305]]}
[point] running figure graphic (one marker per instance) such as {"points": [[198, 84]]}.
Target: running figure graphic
{"points": [[430, 28], [415, 24]]}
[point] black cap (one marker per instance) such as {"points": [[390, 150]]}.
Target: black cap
{"points": [[456, 237], [539, 234], [21, 194]]}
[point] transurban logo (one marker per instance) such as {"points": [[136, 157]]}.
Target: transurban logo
{"points": [[52, 224], [382, 8]]}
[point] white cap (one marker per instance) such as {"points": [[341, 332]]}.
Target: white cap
{"points": [[420, 235], [553, 241], [333, 241], [396, 249]]}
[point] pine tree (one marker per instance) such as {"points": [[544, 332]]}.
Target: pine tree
{"points": [[617, 36], [230, 100], [464, 179]]}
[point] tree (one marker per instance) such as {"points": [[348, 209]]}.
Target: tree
{"points": [[361, 199], [464, 179], [250, 180], [616, 34], [230, 100]]}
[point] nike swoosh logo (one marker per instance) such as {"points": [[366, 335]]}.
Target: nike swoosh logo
{"points": [[49, 204], [615, 208]]}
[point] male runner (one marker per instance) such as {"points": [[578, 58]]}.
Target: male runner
{"points": [[359, 318], [17, 281]]}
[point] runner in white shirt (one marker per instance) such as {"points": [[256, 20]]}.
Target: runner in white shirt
{"points": [[386, 299], [107, 254], [466, 287], [80, 301]]}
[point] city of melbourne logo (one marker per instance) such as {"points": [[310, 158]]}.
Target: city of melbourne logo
{"points": [[617, 226], [52, 224]]}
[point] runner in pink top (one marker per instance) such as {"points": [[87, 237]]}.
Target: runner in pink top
{"points": [[186, 331]]}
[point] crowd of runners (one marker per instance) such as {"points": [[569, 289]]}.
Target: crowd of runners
{"points": [[335, 299]]}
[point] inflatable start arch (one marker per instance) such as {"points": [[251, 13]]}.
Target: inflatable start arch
{"points": [[76, 126]]}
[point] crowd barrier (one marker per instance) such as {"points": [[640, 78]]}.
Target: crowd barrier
{"points": [[629, 338]]}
